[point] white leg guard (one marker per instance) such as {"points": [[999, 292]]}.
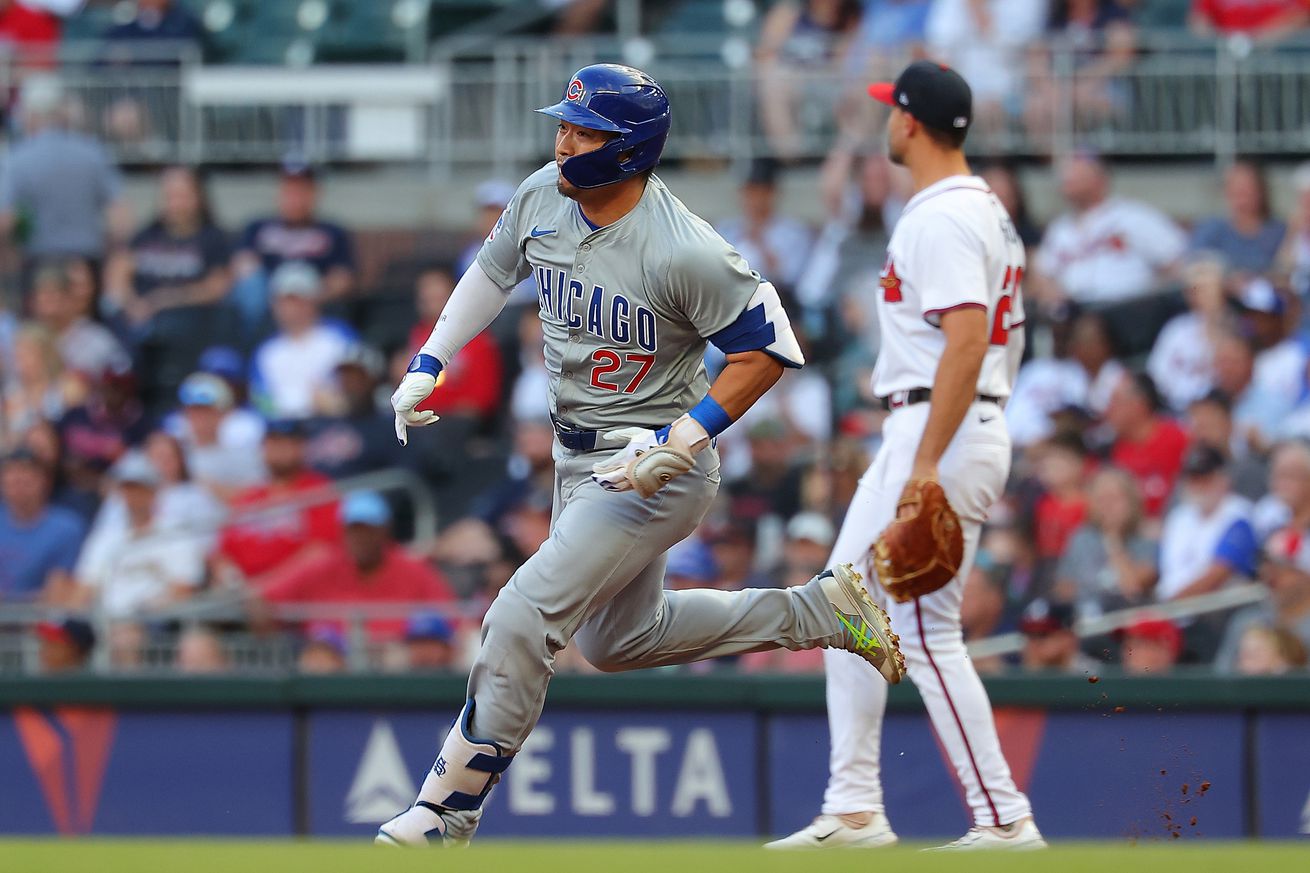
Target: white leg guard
{"points": [[465, 770]]}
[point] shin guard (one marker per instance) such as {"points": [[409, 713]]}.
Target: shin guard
{"points": [[466, 768]]}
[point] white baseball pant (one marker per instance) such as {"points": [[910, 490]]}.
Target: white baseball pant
{"points": [[972, 472]]}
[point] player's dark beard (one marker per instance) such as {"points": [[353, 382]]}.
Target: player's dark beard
{"points": [[893, 155]]}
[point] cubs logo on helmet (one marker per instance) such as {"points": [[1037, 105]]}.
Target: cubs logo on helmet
{"points": [[617, 100]]}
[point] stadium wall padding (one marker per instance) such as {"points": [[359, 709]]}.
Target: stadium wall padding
{"points": [[639, 756]]}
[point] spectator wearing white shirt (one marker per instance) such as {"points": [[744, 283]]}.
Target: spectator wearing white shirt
{"points": [[1043, 387], [985, 40], [1261, 413], [1288, 500], [1081, 375], [134, 569], [241, 426], [1105, 248], [295, 368], [1182, 358], [1208, 538], [1280, 359], [181, 505], [224, 466], [773, 244], [1094, 351]]}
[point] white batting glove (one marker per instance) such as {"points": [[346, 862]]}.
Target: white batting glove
{"points": [[651, 459], [416, 387]]}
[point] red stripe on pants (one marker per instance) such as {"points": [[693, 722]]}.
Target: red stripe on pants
{"points": [[923, 640]]}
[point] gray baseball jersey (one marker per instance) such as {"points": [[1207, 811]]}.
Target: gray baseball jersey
{"points": [[627, 309]]}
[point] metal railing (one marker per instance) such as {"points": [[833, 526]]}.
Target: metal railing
{"points": [[226, 604], [1178, 96], [1223, 600]]}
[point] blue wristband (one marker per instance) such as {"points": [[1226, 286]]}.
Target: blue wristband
{"points": [[711, 416], [422, 363]]}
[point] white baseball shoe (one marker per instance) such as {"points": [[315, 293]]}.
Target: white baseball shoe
{"points": [[1018, 836], [418, 827], [831, 832], [866, 629]]}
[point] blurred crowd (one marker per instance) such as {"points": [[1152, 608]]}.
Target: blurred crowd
{"points": [[192, 415]]}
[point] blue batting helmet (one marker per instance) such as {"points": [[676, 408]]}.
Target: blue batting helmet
{"points": [[621, 100]]}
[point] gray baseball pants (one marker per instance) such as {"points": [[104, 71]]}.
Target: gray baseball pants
{"points": [[599, 581]]}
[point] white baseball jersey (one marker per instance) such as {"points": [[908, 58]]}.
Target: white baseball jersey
{"points": [[953, 247], [1113, 251]]}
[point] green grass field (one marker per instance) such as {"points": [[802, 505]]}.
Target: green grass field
{"points": [[197, 856]]}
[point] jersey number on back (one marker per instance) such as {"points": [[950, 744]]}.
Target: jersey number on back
{"points": [[1009, 288], [608, 361]]}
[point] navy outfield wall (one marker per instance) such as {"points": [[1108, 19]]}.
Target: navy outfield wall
{"points": [[641, 756]]}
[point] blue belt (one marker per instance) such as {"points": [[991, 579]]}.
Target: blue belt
{"points": [[573, 438]]}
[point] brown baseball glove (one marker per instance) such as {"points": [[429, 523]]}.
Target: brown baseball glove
{"points": [[922, 549]]}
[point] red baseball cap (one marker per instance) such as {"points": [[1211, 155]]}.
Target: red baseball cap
{"points": [[933, 93], [1156, 630], [73, 631]]}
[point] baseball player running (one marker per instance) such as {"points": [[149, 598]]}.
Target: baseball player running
{"points": [[950, 307], [631, 286]]}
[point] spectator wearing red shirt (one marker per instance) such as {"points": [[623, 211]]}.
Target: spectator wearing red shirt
{"points": [[1146, 444], [1061, 469], [368, 568], [471, 383], [29, 28], [263, 537], [1263, 19]]}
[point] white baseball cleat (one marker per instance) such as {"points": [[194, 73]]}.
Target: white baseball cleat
{"points": [[1017, 836], [418, 827], [866, 629], [832, 832]]}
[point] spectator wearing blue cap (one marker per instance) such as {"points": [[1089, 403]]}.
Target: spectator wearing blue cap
{"points": [[368, 567], [241, 427], [691, 565], [324, 650], [223, 466], [1280, 358], [429, 642], [295, 233]]}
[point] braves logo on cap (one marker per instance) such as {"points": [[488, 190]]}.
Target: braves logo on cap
{"points": [[575, 91]]}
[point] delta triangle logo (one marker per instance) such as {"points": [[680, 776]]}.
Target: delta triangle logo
{"points": [[68, 749], [382, 786]]}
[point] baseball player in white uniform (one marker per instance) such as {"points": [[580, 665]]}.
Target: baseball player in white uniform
{"points": [[950, 308], [631, 286]]}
